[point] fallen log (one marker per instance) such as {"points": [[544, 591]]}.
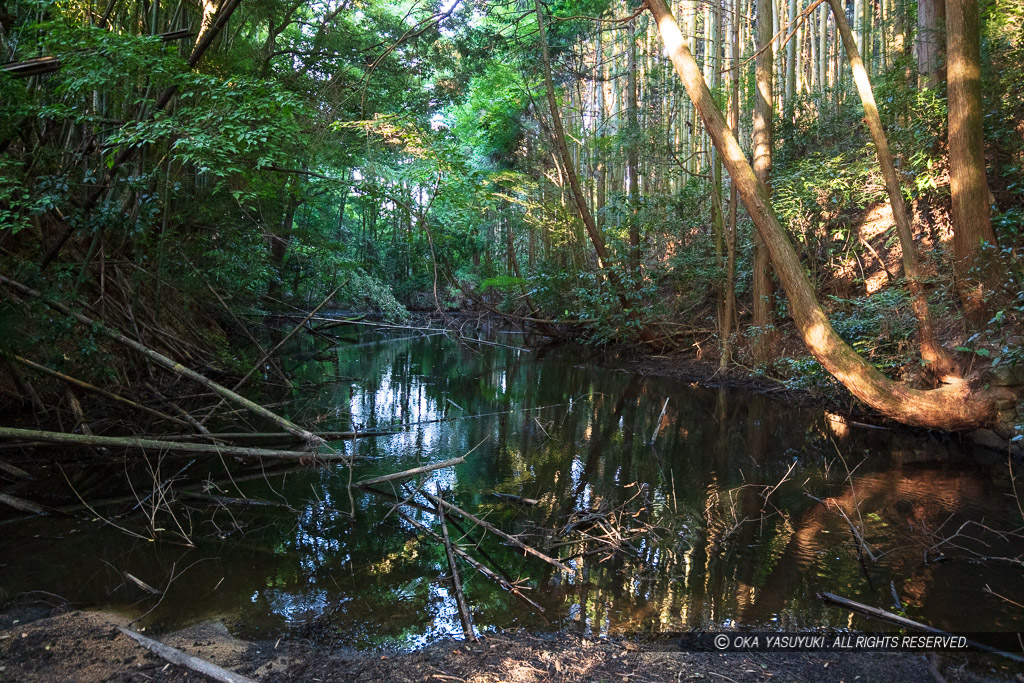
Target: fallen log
{"points": [[179, 658], [496, 531], [63, 438], [507, 585], [460, 599], [411, 473], [882, 615], [97, 390], [311, 439]]}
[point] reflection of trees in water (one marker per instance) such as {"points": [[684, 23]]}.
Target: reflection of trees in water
{"points": [[364, 579]]}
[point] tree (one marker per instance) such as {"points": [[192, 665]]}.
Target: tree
{"points": [[976, 267], [957, 405], [940, 364], [763, 303], [931, 41]]}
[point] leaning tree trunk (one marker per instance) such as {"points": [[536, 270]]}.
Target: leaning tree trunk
{"points": [[940, 364], [976, 270], [580, 199], [562, 147], [955, 406]]}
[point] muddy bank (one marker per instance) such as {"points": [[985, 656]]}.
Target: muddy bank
{"points": [[86, 646]]}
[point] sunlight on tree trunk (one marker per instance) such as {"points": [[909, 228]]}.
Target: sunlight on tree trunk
{"points": [[974, 241], [940, 364], [955, 406], [763, 303]]}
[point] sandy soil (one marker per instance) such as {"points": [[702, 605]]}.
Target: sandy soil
{"points": [[86, 646]]}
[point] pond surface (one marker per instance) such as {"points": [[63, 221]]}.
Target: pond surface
{"points": [[730, 518]]}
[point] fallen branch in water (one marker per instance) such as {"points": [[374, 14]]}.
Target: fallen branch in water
{"points": [[34, 435], [882, 615], [266, 355], [271, 436], [657, 426], [460, 599], [507, 585], [22, 504], [179, 658], [411, 473], [496, 531]]}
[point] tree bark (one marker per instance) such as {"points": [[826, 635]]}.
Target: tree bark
{"points": [[954, 406], [632, 132], [931, 41], [976, 267], [730, 242], [940, 364], [764, 303]]}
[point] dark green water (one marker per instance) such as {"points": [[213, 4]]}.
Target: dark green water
{"points": [[558, 427]]}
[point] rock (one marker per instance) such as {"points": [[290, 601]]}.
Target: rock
{"points": [[987, 438], [1005, 376]]}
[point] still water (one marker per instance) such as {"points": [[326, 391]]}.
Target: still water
{"points": [[731, 517]]}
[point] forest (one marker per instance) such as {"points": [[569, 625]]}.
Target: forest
{"points": [[817, 199], [799, 193]]}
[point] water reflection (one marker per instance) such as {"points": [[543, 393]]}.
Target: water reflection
{"points": [[577, 438]]}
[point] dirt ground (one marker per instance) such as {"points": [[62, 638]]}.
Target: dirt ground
{"points": [[86, 646]]}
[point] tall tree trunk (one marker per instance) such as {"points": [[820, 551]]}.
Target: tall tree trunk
{"points": [[823, 55], [976, 267], [601, 189], [954, 406], [790, 61], [940, 364], [931, 41], [632, 135], [279, 243], [717, 219], [764, 303], [734, 123], [558, 131]]}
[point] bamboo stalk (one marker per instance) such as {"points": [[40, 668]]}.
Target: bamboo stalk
{"points": [[97, 390], [460, 599], [167, 363], [413, 472], [179, 658], [132, 442]]}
